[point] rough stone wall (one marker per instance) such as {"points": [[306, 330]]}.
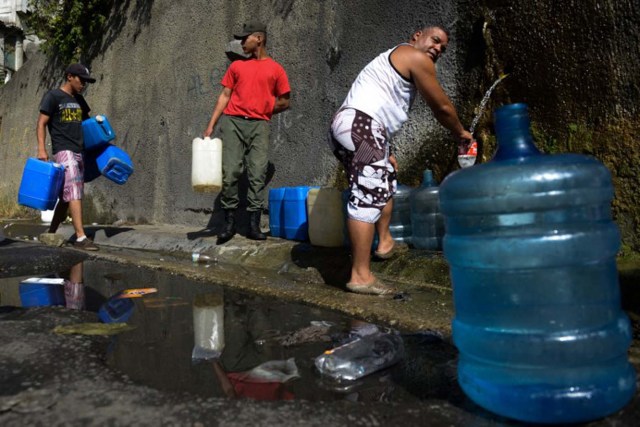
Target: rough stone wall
{"points": [[574, 62], [159, 68]]}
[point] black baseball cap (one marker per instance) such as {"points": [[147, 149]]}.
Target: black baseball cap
{"points": [[80, 71], [250, 28]]}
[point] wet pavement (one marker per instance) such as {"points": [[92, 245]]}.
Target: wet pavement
{"points": [[273, 294]]}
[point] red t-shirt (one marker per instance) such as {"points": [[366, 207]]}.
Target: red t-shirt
{"points": [[255, 84]]}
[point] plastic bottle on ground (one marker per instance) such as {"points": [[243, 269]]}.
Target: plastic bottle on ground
{"points": [[362, 356], [199, 258]]}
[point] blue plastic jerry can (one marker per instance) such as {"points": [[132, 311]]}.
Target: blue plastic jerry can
{"points": [[114, 164], [41, 184], [97, 132]]}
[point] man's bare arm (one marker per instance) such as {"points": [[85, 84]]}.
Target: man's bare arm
{"points": [[282, 103], [221, 104], [41, 135], [423, 73]]}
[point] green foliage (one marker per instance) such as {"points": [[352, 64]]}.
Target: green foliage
{"points": [[68, 27], [545, 142]]}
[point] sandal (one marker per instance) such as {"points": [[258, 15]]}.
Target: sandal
{"points": [[377, 287], [387, 255]]}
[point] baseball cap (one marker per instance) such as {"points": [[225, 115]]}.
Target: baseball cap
{"points": [[80, 71], [250, 28]]}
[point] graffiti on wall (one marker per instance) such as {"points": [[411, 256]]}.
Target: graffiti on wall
{"points": [[208, 86]]}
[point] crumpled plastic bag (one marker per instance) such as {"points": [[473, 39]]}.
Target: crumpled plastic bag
{"points": [[273, 371]]}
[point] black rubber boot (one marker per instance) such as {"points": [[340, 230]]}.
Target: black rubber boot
{"points": [[254, 227], [229, 229]]}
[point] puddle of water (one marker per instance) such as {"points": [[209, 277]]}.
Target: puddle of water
{"points": [[254, 330]]}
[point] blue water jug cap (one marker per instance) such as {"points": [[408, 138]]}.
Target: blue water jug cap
{"points": [[427, 178], [512, 130]]}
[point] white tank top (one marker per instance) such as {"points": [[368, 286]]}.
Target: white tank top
{"points": [[382, 93]]}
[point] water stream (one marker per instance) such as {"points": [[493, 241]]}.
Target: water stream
{"points": [[483, 103]]}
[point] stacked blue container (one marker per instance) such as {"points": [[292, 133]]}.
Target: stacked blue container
{"points": [[288, 212], [100, 156], [276, 213], [427, 222], [97, 132], [400, 225]]}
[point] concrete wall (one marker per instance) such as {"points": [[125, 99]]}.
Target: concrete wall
{"points": [[158, 78], [159, 65]]}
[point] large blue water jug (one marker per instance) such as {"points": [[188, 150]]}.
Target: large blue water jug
{"points": [[400, 225], [427, 221], [532, 251], [41, 184]]}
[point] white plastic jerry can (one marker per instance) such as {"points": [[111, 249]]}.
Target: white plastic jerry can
{"points": [[206, 165]]}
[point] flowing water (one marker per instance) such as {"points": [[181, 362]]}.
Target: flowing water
{"points": [[466, 159], [483, 103]]}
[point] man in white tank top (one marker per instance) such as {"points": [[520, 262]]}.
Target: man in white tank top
{"points": [[374, 110]]}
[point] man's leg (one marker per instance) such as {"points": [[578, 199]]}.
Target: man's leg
{"points": [[59, 215], [232, 167], [75, 211], [257, 159], [385, 240], [232, 162], [361, 237]]}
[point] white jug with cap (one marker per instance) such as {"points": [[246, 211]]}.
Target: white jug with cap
{"points": [[206, 165]]}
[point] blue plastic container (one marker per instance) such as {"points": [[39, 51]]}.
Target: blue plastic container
{"points": [[41, 292], [116, 310], [400, 225], [427, 221], [294, 205], [41, 184], [115, 164], [97, 132], [532, 251], [276, 213]]}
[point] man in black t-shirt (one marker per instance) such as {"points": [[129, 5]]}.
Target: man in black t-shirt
{"points": [[62, 111]]}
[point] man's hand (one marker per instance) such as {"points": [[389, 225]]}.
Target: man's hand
{"points": [[42, 155], [394, 162]]}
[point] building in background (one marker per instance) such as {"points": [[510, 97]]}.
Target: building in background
{"points": [[13, 40]]}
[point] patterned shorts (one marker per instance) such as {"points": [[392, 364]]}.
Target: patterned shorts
{"points": [[73, 174], [361, 144]]}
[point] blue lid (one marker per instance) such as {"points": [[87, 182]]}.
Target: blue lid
{"points": [[427, 179]]}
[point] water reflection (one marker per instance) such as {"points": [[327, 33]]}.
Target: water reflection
{"points": [[250, 346]]}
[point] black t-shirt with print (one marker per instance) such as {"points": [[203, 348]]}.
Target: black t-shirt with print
{"points": [[66, 114]]}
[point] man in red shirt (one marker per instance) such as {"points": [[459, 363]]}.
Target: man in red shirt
{"points": [[254, 90]]}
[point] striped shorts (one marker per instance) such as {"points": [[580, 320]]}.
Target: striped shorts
{"points": [[361, 144], [73, 163]]}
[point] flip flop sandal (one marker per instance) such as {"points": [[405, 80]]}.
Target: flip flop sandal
{"points": [[377, 287], [387, 255]]}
